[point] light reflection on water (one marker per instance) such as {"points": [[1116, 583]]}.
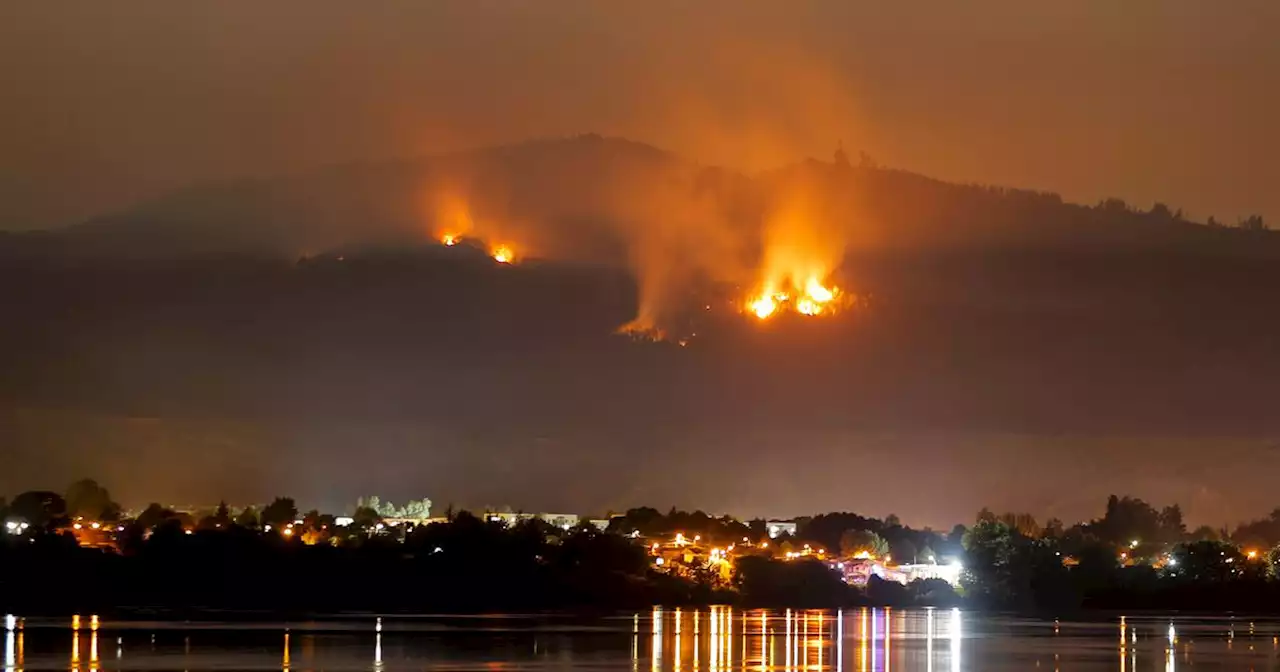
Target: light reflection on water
{"points": [[719, 639]]}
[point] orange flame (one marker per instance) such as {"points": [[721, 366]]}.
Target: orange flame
{"points": [[763, 306], [450, 239], [503, 254], [814, 298]]}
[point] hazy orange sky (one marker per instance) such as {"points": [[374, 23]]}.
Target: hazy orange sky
{"points": [[1173, 100]]}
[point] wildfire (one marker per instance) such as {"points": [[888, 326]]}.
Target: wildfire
{"points": [[450, 239], [503, 254], [814, 298], [764, 306]]}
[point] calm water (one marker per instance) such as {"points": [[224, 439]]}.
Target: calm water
{"points": [[662, 640]]}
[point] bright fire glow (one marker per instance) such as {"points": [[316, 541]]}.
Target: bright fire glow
{"points": [[814, 298], [764, 306], [503, 254], [450, 239]]}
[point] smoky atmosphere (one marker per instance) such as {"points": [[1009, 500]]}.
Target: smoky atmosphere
{"points": [[749, 258]]}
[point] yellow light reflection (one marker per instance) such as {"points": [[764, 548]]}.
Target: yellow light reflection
{"points": [[93, 650], [655, 646], [697, 618], [635, 643], [676, 649], [788, 641], [840, 640], [284, 662], [726, 636], [875, 639], [10, 651], [377, 651], [887, 639], [1123, 643], [820, 642], [928, 640], [862, 640], [764, 640], [75, 650], [955, 640]]}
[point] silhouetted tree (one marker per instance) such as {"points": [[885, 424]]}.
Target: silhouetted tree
{"points": [[1264, 532], [366, 516], [1160, 211], [1024, 523], [1253, 223], [1205, 533], [854, 542], [39, 508], [1129, 518], [1207, 562], [223, 515], [1172, 529], [280, 512], [86, 499], [153, 515], [903, 551], [219, 519], [248, 517]]}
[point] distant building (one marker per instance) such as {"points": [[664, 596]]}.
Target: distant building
{"points": [[858, 572], [949, 573], [778, 528], [563, 521]]}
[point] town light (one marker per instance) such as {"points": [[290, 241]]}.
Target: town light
{"points": [[1133, 544]]}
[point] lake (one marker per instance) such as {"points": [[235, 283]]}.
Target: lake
{"points": [[661, 640]]}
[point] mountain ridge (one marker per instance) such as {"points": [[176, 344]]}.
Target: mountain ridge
{"points": [[586, 188]]}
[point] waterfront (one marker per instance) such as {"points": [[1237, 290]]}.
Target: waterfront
{"points": [[661, 640]]}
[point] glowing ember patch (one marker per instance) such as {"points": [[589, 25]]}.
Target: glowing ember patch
{"points": [[450, 239], [813, 298], [503, 254], [808, 306], [817, 293], [764, 306]]}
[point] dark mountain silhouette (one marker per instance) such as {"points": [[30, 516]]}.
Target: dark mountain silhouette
{"points": [[581, 198], [986, 309]]}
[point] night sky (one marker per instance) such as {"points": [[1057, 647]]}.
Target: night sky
{"points": [[1029, 356]]}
